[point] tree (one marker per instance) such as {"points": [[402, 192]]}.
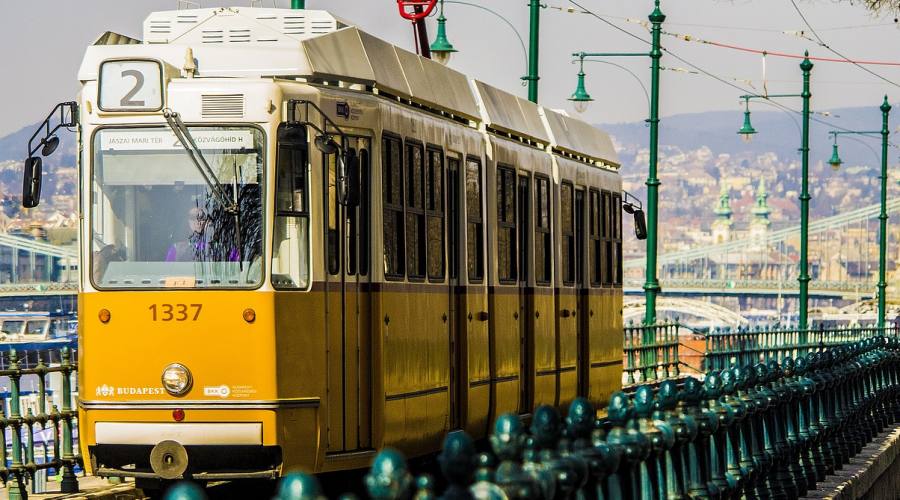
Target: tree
{"points": [[881, 7]]}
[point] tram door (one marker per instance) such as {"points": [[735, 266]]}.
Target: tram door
{"points": [[348, 307], [581, 302], [457, 378], [526, 297]]}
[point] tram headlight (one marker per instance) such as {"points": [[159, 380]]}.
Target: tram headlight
{"points": [[177, 379]]}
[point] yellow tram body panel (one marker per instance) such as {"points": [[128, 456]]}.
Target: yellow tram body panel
{"points": [[321, 376]]}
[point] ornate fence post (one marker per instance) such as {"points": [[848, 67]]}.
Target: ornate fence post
{"points": [[661, 438], [635, 447], [16, 491], [69, 482], [804, 391], [700, 483], [388, 479], [685, 430], [508, 443], [712, 389]]}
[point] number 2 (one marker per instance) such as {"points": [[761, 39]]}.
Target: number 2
{"points": [[138, 85]]}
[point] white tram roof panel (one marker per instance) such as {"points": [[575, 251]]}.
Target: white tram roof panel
{"points": [[244, 42], [238, 25], [578, 137], [510, 113], [257, 42]]}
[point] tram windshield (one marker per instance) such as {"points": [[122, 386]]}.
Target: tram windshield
{"points": [[156, 221]]}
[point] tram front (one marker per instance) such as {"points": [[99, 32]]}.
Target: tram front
{"points": [[177, 371]]}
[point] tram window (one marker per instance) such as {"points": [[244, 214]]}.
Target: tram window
{"points": [[596, 241], [606, 220], [453, 217], [568, 233], [543, 254], [363, 212], [434, 208], [157, 223], [415, 211], [352, 218], [617, 235], [332, 243], [506, 224], [290, 254], [392, 186], [474, 222]]}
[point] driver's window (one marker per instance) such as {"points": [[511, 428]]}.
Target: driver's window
{"points": [[290, 255]]}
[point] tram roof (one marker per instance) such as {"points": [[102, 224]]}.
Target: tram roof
{"points": [[315, 45]]}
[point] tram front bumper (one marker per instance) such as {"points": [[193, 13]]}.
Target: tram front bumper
{"points": [[200, 451]]}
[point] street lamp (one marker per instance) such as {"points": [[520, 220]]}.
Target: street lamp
{"points": [[581, 99], [746, 130], [441, 48], [835, 160], [835, 163]]}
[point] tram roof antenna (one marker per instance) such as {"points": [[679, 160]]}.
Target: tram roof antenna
{"points": [[191, 4]]}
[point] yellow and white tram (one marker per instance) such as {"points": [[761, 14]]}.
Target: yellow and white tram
{"points": [[301, 244]]}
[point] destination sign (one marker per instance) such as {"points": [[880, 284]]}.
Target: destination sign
{"points": [[161, 140]]}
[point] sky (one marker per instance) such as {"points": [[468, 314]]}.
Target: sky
{"points": [[44, 41]]}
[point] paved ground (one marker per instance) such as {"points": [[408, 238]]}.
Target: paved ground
{"points": [[93, 488], [866, 474]]}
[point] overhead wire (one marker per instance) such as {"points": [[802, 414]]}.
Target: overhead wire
{"points": [[704, 71], [829, 48]]}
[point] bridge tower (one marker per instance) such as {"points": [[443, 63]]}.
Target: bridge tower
{"points": [[721, 227]]}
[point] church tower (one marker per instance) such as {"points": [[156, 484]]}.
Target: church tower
{"points": [[721, 227], [759, 226]]}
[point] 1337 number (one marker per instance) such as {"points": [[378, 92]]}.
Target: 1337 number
{"points": [[175, 312]]}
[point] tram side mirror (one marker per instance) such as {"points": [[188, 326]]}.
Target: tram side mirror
{"points": [[31, 184], [49, 145], [640, 224], [326, 144], [351, 178]]}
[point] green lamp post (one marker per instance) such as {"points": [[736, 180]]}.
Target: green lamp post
{"points": [[441, 48], [836, 162], [580, 100], [747, 132], [298, 4]]}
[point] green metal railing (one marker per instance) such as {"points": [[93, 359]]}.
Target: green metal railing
{"points": [[745, 346], [22, 466], [651, 361]]}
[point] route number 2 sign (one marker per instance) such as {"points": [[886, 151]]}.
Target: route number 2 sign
{"points": [[130, 86]]}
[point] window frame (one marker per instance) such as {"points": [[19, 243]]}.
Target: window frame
{"points": [[595, 235], [439, 212], [512, 277], [477, 222], [393, 208], [617, 238], [264, 186], [606, 236], [567, 258], [543, 235], [301, 214], [418, 212]]}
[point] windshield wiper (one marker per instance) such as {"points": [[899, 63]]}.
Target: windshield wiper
{"points": [[231, 206], [199, 161]]}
